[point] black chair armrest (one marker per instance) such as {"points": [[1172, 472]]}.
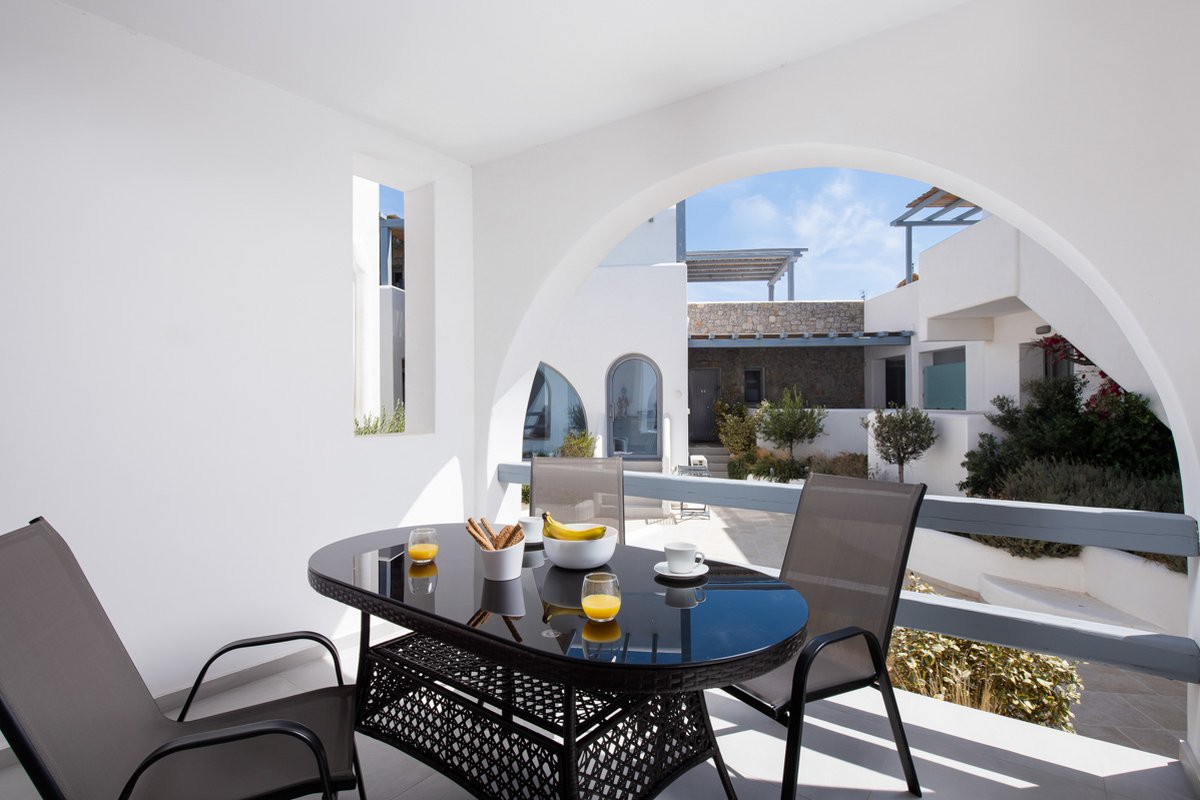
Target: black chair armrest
{"points": [[258, 641], [282, 727], [814, 646]]}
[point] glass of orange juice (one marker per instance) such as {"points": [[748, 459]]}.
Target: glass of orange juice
{"points": [[422, 545], [601, 598]]}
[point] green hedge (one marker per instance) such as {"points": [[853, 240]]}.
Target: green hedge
{"points": [[852, 465], [1073, 484]]}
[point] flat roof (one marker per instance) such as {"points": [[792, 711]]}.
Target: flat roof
{"points": [[830, 339]]}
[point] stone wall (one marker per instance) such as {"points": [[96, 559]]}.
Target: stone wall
{"points": [[841, 316], [828, 376]]}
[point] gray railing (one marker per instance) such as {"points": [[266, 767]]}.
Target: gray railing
{"points": [[1175, 657]]}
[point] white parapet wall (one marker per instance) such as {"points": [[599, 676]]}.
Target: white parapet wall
{"points": [[940, 468], [1102, 584]]}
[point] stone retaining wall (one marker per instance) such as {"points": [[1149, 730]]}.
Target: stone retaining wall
{"points": [[780, 316]]}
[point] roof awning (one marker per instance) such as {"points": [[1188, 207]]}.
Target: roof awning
{"points": [[831, 339], [713, 266]]}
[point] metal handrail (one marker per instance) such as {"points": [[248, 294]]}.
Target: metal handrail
{"points": [[1153, 652]]}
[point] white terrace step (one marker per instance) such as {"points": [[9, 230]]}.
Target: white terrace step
{"points": [[1032, 597]]}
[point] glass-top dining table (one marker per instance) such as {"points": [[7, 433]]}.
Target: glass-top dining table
{"points": [[507, 688]]}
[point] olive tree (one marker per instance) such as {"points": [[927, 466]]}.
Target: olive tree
{"points": [[790, 420], [901, 435]]}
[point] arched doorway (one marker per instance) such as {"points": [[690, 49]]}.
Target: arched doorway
{"points": [[634, 401]]}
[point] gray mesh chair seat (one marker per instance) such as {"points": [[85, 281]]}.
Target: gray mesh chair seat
{"points": [[84, 725], [846, 554], [579, 490]]}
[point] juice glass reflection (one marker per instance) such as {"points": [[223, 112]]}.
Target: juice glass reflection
{"points": [[601, 596], [422, 545], [422, 578]]}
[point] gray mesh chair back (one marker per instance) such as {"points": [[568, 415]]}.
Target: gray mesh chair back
{"points": [[66, 680], [847, 555], [82, 722], [579, 490]]}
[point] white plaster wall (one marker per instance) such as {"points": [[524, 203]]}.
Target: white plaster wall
{"points": [[652, 242], [179, 356], [621, 310], [991, 270], [940, 467], [895, 310], [1128, 583], [843, 433]]}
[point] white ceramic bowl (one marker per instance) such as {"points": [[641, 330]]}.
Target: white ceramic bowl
{"points": [[503, 565], [588, 554]]}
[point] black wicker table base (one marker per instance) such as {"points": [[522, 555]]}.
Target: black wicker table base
{"points": [[501, 733]]}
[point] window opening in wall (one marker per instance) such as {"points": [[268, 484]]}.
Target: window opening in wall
{"points": [[634, 408], [752, 386], [895, 376], [944, 381], [554, 412], [379, 306]]}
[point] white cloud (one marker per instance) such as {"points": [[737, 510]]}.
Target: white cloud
{"points": [[755, 214]]}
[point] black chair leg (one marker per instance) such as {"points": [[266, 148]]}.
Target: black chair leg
{"points": [[362, 791], [791, 757], [718, 759], [884, 685], [893, 712]]}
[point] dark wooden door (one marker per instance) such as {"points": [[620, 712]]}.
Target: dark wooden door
{"points": [[702, 393]]}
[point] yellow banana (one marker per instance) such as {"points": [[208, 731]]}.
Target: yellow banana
{"points": [[550, 611], [556, 530]]}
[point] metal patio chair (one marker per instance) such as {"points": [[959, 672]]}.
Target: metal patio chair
{"points": [[846, 554], [579, 490], [83, 724]]}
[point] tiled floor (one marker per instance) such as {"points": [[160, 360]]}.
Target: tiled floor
{"points": [[848, 754], [1118, 706]]}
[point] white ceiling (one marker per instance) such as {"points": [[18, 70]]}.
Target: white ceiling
{"points": [[482, 79]]}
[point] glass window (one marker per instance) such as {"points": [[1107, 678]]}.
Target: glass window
{"points": [[634, 406], [752, 382], [554, 410]]}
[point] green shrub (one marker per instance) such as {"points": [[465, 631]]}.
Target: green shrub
{"points": [[1067, 483], [579, 444], [1118, 430], [524, 494], [790, 420], [739, 467], [901, 435], [780, 470], [852, 465], [384, 423], [737, 427], [1032, 687]]}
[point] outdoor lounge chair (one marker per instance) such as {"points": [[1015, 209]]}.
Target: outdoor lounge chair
{"points": [[83, 723], [580, 490], [846, 554]]}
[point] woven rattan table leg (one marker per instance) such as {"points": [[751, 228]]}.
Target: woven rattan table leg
{"points": [[568, 760]]}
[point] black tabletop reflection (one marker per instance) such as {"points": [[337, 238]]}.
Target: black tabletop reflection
{"points": [[732, 612]]}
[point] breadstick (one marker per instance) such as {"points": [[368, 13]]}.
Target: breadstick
{"points": [[479, 531], [479, 538], [489, 530], [513, 628], [505, 537]]}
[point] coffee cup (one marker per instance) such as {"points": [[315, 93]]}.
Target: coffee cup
{"points": [[684, 598], [682, 558]]}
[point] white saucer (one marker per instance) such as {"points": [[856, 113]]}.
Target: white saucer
{"points": [[662, 569]]}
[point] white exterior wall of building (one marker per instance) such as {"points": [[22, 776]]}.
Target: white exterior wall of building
{"points": [[179, 402], [618, 311]]}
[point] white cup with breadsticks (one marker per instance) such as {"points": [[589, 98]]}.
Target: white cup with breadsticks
{"points": [[502, 551]]}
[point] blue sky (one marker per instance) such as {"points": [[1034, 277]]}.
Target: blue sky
{"points": [[840, 215], [391, 201]]}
